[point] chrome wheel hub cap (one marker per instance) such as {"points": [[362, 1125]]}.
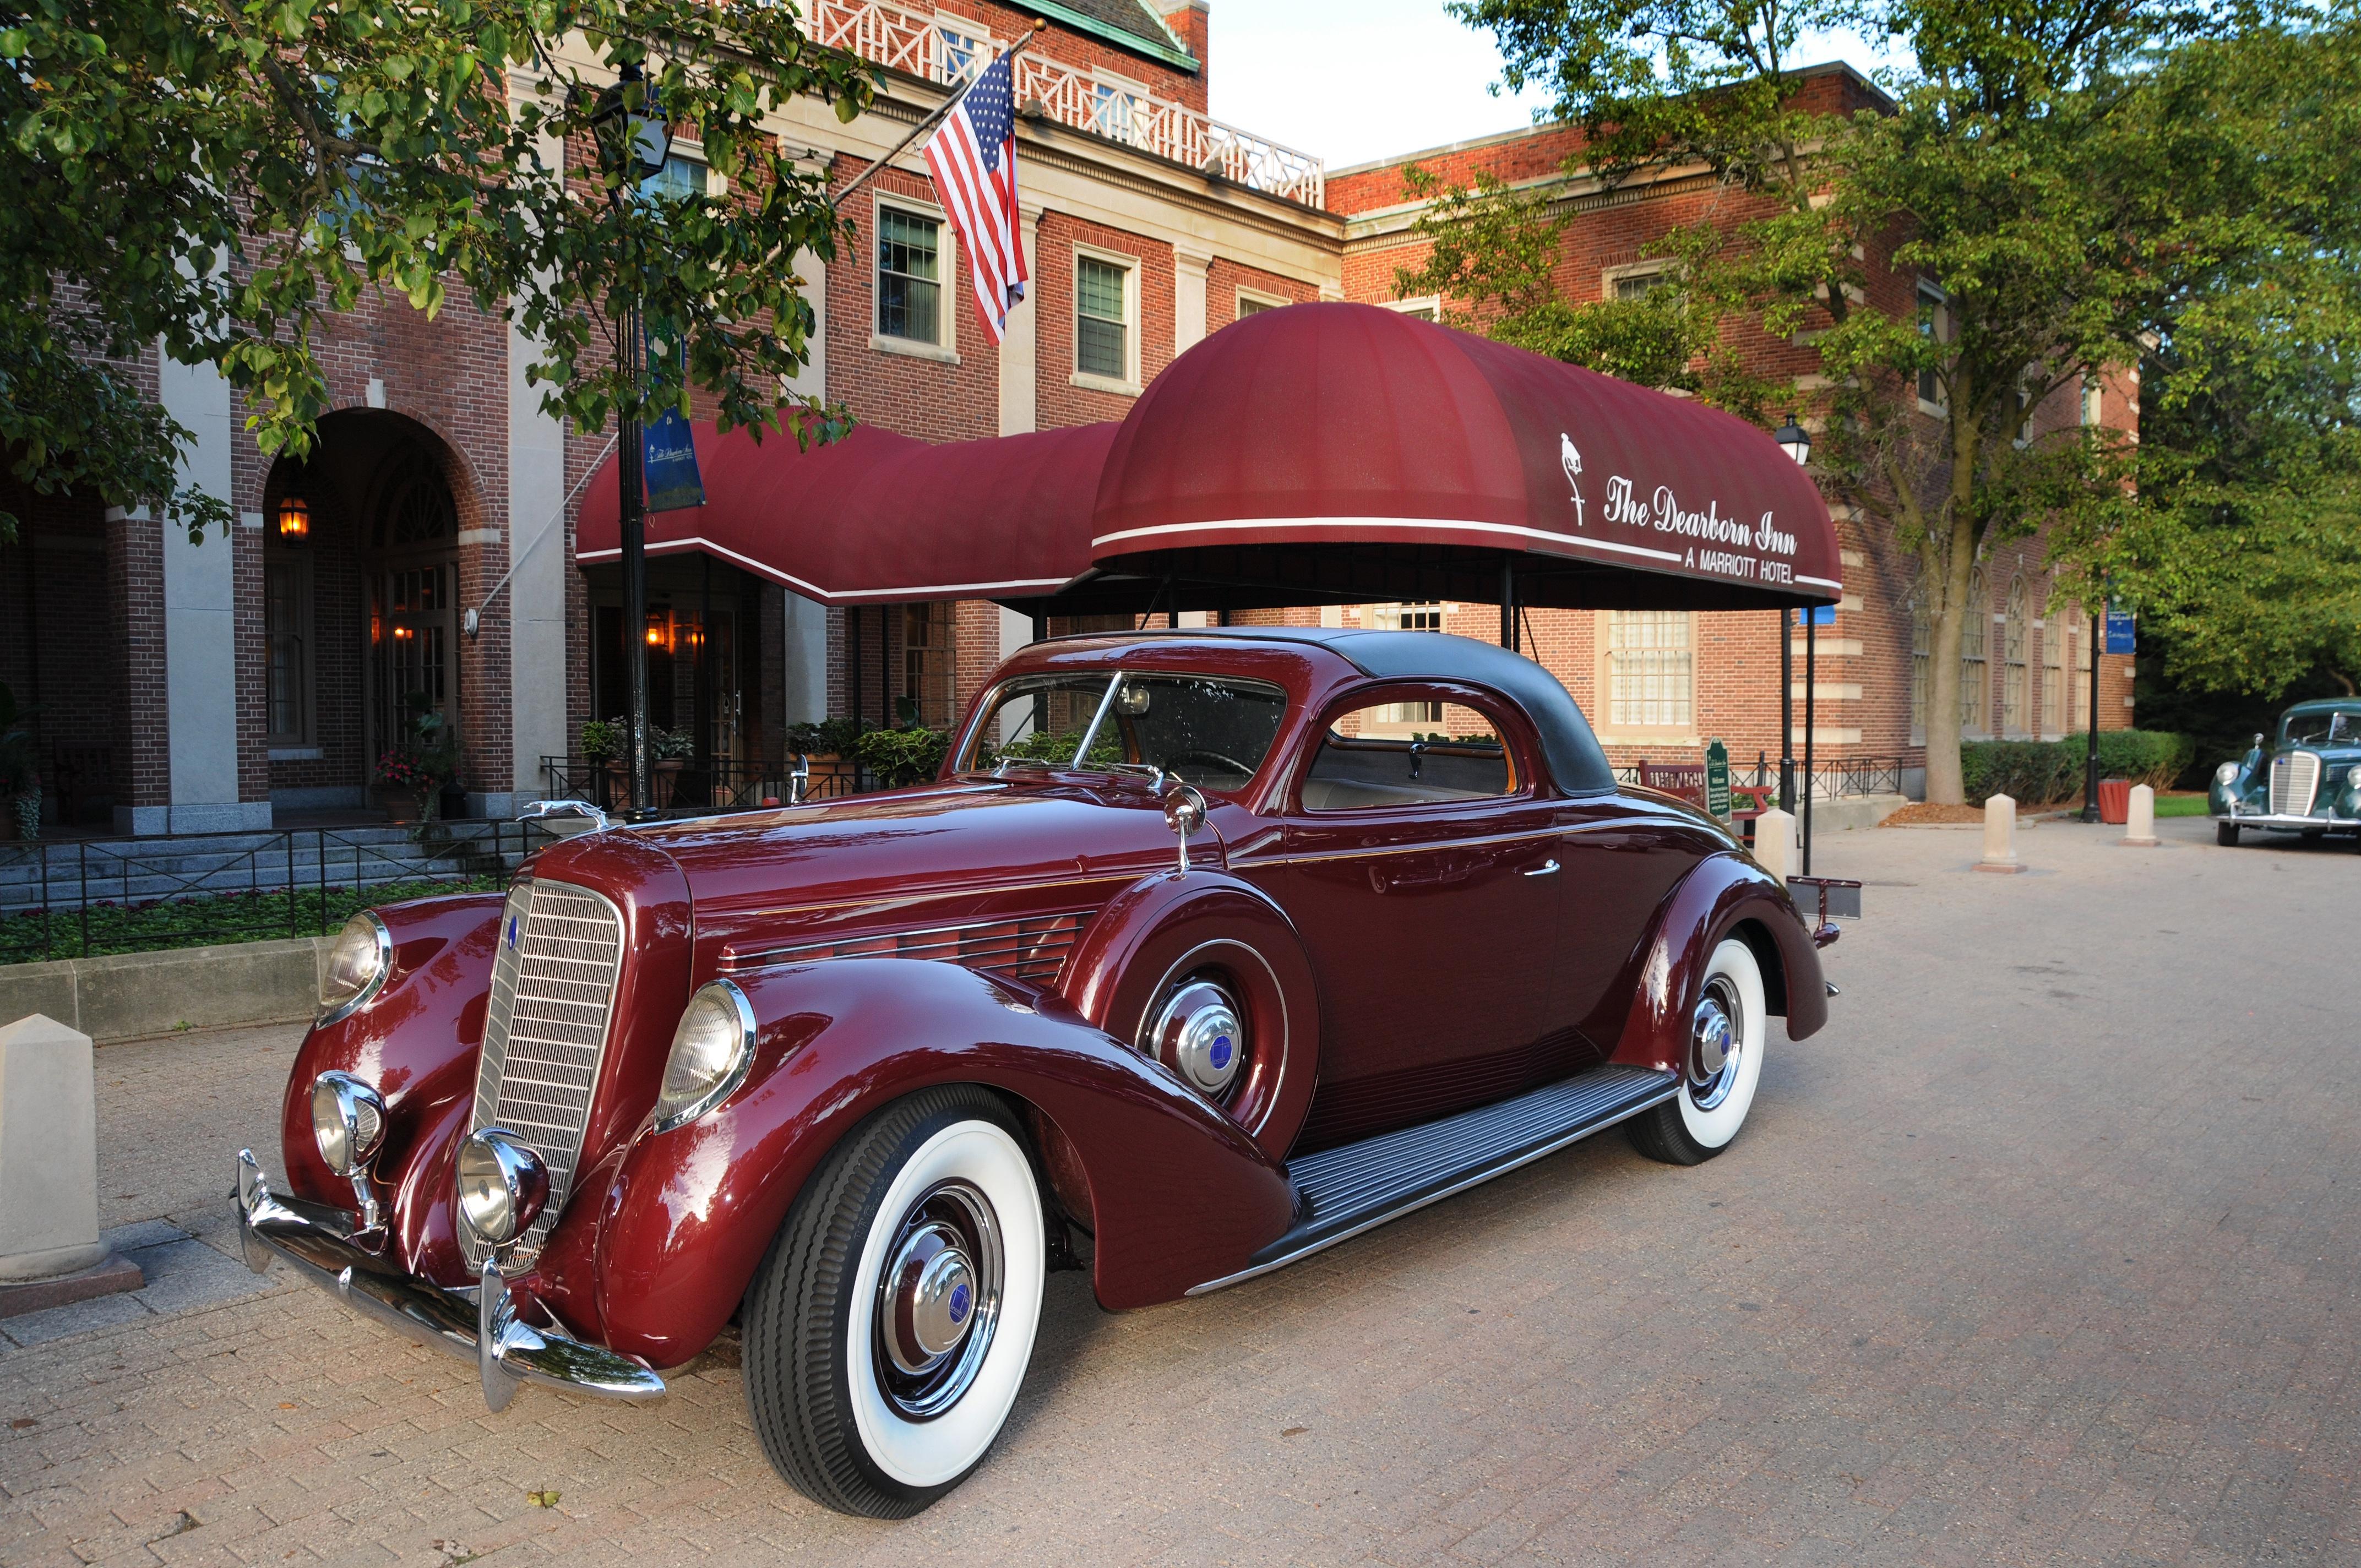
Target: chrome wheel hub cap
{"points": [[937, 1300], [1198, 1033], [1716, 1040]]}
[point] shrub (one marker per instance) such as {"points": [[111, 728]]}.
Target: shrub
{"points": [[2040, 772], [901, 757], [825, 738]]}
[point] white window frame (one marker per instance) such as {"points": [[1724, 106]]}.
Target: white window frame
{"points": [[1128, 385], [1611, 277], [1611, 733], [1411, 306], [2094, 401], [1933, 294], [1267, 301], [947, 249]]}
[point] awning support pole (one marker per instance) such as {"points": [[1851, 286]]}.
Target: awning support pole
{"points": [[885, 670], [2091, 755], [1811, 670], [632, 519], [1786, 714], [853, 664], [1508, 602]]}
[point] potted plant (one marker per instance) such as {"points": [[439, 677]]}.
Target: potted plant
{"points": [[826, 744], [404, 786], [20, 771], [668, 753], [602, 744]]}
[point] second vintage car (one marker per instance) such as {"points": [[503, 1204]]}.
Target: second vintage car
{"points": [[2307, 782], [1207, 951]]}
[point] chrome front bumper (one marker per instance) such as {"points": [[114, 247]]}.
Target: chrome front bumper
{"points": [[2288, 821], [478, 1325]]}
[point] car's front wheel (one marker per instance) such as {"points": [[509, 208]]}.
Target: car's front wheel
{"points": [[2226, 834], [890, 1326], [1724, 1062]]}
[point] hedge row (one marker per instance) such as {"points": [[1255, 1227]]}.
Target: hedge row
{"points": [[2037, 772]]}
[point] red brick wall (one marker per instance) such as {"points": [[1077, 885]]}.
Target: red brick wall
{"points": [[1224, 278]]}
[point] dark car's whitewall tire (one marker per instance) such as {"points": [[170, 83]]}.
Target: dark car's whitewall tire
{"points": [[1723, 1063], [889, 1328]]}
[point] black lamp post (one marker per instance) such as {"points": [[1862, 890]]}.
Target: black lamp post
{"points": [[633, 144], [1797, 443]]}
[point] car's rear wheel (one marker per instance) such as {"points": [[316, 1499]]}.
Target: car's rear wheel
{"points": [[1723, 1064], [888, 1329], [2226, 834]]}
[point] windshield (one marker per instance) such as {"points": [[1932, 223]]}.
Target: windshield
{"points": [[2334, 728], [1196, 728]]}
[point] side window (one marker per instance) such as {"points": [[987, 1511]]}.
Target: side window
{"points": [[1370, 759]]}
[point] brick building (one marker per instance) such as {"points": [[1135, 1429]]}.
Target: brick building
{"points": [[228, 685]]}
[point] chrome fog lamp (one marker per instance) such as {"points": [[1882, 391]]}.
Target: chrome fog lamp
{"points": [[348, 1123], [502, 1185], [711, 1051], [356, 967]]}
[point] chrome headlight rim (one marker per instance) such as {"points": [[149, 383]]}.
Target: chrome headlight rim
{"points": [[727, 1082], [344, 1007], [498, 1210], [2228, 774]]}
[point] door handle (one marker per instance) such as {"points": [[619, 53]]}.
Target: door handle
{"points": [[1548, 869]]}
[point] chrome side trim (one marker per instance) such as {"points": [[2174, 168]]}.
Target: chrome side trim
{"points": [[323, 1245]]}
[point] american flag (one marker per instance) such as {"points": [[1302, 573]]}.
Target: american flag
{"points": [[974, 158]]}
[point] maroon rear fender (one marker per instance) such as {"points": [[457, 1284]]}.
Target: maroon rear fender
{"points": [[1725, 895], [1168, 925], [1176, 1193]]}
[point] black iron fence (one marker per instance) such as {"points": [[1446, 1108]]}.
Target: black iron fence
{"points": [[694, 787], [78, 897], [1834, 778]]}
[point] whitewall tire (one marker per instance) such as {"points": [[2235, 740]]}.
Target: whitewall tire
{"points": [[888, 1330], [1728, 1025]]}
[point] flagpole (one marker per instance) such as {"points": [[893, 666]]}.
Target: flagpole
{"points": [[1040, 26]]}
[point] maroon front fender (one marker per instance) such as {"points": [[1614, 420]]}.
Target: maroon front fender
{"points": [[1177, 1194], [1724, 895]]}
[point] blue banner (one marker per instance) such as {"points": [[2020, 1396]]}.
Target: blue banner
{"points": [[2122, 634], [670, 450], [1818, 615]]}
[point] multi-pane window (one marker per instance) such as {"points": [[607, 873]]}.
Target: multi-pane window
{"points": [[2014, 719], [678, 179], [1935, 324], [1975, 644], [960, 52], [1254, 305], [927, 662], [910, 276], [1650, 670], [1638, 284], [2093, 401], [2078, 694], [1422, 310], [1102, 319], [1119, 114], [1922, 643], [286, 606], [1417, 615]]}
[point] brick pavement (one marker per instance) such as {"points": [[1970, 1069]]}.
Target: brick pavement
{"points": [[2041, 1253]]}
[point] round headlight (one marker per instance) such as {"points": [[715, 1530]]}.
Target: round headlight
{"points": [[356, 966], [709, 1054], [502, 1185], [347, 1122], [2226, 774]]}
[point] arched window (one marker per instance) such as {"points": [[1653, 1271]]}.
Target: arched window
{"points": [[2014, 719], [1975, 643]]}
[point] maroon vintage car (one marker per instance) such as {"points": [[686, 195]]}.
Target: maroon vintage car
{"points": [[857, 1074]]}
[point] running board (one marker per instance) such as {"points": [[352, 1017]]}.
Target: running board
{"points": [[1358, 1186]]}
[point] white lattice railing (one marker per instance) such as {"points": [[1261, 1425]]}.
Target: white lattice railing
{"points": [[944, 49]]}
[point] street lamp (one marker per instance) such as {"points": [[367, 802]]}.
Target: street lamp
{"points": [[1795, 441], [633, 144]]}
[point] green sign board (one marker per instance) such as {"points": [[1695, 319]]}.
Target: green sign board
{"points": [[1717, 780]]}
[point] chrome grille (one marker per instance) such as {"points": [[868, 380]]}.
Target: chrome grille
{"points": [[1033, 948], [2295, 781], [552, 990]]}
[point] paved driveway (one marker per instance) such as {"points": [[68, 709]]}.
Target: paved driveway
{"points": [[2043, 1252]]}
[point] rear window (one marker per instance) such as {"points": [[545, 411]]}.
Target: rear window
{"points": [[1409, 751], [1213, 733]]}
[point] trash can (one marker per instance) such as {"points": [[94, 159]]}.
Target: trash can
{"points": [[2115, 801]]}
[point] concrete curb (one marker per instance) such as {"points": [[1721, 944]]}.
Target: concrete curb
{"points": [[124, 996]]}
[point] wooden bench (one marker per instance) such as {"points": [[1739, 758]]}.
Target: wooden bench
{"points": [[1687, 781]]}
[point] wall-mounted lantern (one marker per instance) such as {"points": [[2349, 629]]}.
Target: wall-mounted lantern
{"points": [[294, 521]]}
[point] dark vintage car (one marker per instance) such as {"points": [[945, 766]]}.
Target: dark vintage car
{"points": [[856, 1074], [2307, 782]]}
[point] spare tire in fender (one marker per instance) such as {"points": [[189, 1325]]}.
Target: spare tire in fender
{"points": [[1165, 930]]}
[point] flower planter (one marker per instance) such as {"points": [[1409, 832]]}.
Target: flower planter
{"points": [[663, 781], [399, 806]]}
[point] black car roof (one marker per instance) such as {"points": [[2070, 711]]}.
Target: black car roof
{"points": [[1572, 751]]}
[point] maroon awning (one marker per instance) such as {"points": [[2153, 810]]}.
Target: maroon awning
{"points": [[879, 518], [1335, 452]]}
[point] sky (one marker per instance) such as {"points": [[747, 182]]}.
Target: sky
{"points": [[1355, 79]]}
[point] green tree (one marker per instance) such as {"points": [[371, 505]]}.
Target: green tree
{"points": [[217, 175], [2037, 165]]}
